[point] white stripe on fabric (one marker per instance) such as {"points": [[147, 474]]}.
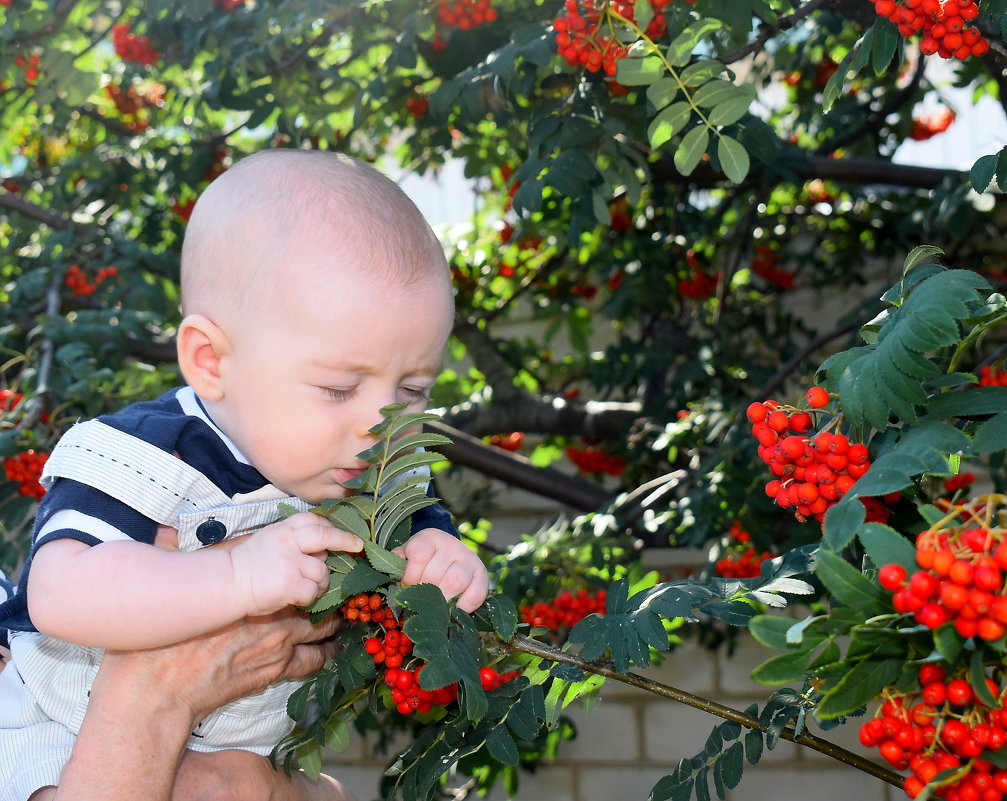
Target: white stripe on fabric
{"points": [[186, 397], [78, 521], [155, 483]]}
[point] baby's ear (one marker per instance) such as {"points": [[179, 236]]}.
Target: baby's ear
{"points": [[202, 345]]}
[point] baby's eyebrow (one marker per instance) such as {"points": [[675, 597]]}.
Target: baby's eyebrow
{"points": [[366, 369]]}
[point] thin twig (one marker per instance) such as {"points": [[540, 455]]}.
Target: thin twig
{"points": [[769, 31], [795, 361], [529, 646]]}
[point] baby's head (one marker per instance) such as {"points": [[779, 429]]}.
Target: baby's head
{"points": [[313, 293]]}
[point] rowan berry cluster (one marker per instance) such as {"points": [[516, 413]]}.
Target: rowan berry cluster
{"points": [[78, 281], [508, 442], [812, 472], [466, 14], [565, 610], [9, 400], [25, 468], [960, 580], [584, 34], [130, 47], [392, 649], [741, 559], [927, 126], [368, 608], [943, 25], [992, 376], [592, 459], [30, 67], [700, 286], [764, 265], [960, 482], [940, 728]]}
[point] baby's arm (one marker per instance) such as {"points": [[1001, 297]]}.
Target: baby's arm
{"points": [[433, 556], [129, 595]]}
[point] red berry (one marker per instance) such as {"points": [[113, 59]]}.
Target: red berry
{"points": [[817, 397], [891, 577]]}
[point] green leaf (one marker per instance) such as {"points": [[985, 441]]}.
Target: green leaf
{"points": [[718, 91], [771, 631], [691, 149], [834, 86], [977, 679], [643, 13], [729, 111], [668, 122], [389, 563], [858, 686], [842, 522], [847, 584], [948, 643], [753, 747], [982, 172], [346, 517], [675, 787], [887, 546], [700, 72], [782, 669], [733, 157], [362, 578], [920, 254], [662, 92], [337, 734], [309, 757], [732, 765], [502, 614], [886, 41], [501, 746], [991, 436], [639, 71]]}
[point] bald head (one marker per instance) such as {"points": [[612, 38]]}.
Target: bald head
{"points": [[285, 221]]}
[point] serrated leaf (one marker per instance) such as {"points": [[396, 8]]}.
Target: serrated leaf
{"points": [[501, 746], [690, 150], [991, 436], [733, 765], [337, 734], [920, 254], [847, 584], [834, 86], [309, 757], [982, 172], [795, 634], [948, 643], [733, 157], [753, 747], [662, 92], [362, 578], [348, 518], [887, 546], [676, 786], [391, 564], [503, 615], [886, 41], [771, 631], [842, 522], [667, 123], [782, 669], [858, 686]]}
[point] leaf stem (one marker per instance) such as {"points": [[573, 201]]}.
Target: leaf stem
{"points": [[529, 646]]}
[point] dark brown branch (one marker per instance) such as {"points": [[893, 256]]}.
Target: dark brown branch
{"points": [[59, 15], [14, 202], [529, 646], [795, 361], [768, 31], [517, 471], [486, 357], [849, 170], [596, 419]]}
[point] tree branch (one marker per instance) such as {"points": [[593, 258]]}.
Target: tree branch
{"points": [[528, 646], [795, 361], [486, 357], [14, 202], [595, 419], [767, 31], [518, 471]]}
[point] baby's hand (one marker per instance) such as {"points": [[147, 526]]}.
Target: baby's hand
{"points": [[284, 563], [435, 557]]}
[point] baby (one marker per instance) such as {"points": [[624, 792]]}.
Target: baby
{"points": [[313, 294]]}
